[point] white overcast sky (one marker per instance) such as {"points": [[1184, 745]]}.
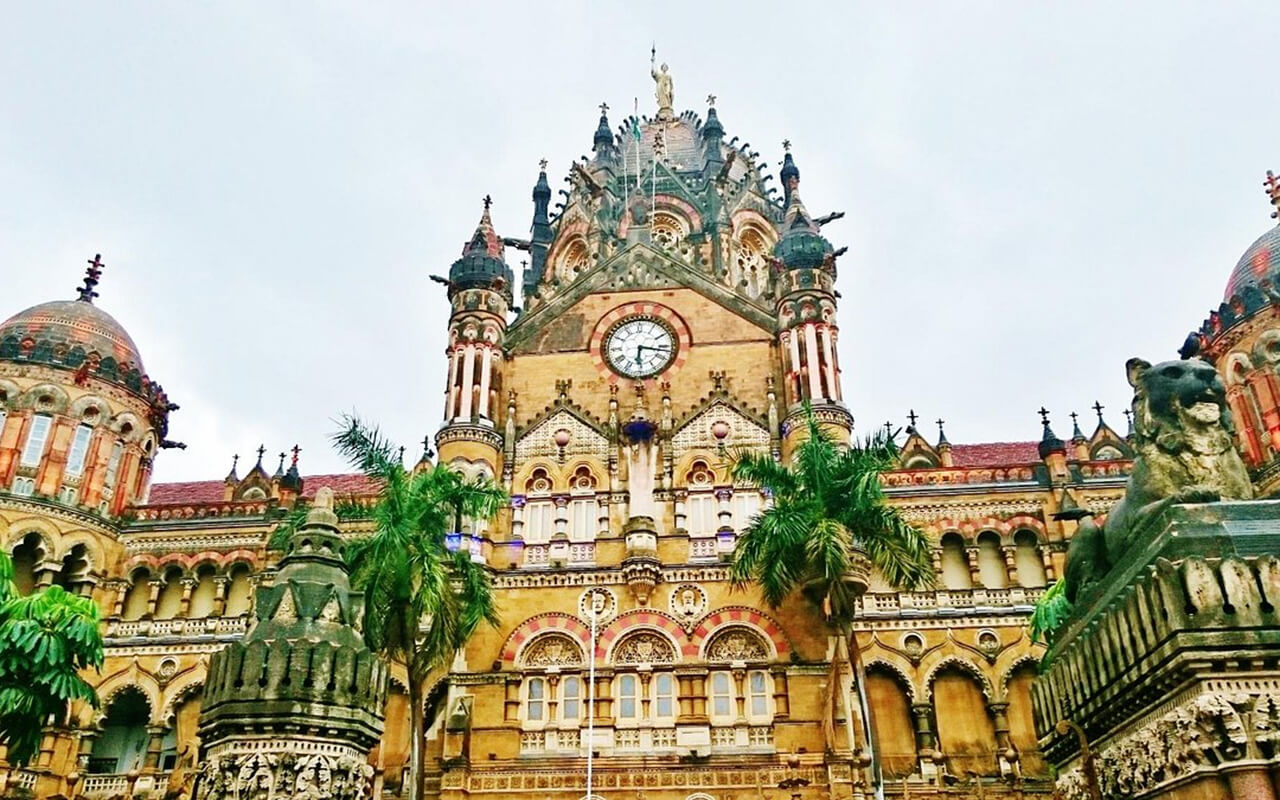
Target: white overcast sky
{"points": [[1034, 191]]}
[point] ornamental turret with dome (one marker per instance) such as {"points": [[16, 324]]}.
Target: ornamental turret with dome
{"points": [[80, 420], [1242, 338]]}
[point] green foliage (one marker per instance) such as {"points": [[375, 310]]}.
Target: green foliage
{"points": [[826, 505], [1051, 612], [291, 520], [46, 638], [422, 600]]}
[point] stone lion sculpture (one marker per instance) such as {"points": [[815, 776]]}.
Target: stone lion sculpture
{"points": [[1185, 454]]}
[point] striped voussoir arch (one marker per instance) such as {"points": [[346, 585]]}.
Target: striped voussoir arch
{"points": [[743, 616], [645, 618], [551, 621]]}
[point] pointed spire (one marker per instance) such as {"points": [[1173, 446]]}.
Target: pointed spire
{"points": [[481, 265], [262, 451], [279, 473], [427, 453], [1097, 409], [712, 136], [232, 477], [292, 479], [942, 435], [603, 145], [790, 173], [1049, 441], [912, 416], [1077, 435], [1272, 186], [92, 276]]}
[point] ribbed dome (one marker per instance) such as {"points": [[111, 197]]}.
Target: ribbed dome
{"points": [[482, 265], [67, 325], [1262, 258]]}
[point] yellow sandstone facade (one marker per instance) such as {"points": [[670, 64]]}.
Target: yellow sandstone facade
{"points": [[664, 323]]}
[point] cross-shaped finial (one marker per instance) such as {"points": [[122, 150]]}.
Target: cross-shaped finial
{"points": [[280, 467], [1272, 184], [488, 201], [296, 450], [91, 277], [235, 460], [1097, 408], [711, 100], [262, 451], [1044, 416], [401, 454], [888, 428], [1073, 416], [786, 145], [1128, 415], [912, 417], [604, 109], [940, 422], [542, 164]]}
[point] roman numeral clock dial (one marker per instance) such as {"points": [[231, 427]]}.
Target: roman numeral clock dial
{"points": [[639, 347]]}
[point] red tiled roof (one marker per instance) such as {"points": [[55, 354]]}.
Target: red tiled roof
{"points": [[993, 454], [197, 492]]}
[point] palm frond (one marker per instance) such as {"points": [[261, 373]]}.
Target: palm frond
{"points": [[1052, 611]]}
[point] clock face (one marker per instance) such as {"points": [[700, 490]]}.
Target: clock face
{"points": [[639, 347]]}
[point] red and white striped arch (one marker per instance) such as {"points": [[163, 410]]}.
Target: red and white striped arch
{"points": [[640, 309]]}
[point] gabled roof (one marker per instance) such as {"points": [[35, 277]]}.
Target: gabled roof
{"points": [[994, 454], [199, 492]]}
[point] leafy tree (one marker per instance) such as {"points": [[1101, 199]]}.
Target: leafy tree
{"points": [[828, 522], [423, 599], [46, 638]]}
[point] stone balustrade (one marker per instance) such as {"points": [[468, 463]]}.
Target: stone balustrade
{"points": [[1016, 599], [179, 627]]}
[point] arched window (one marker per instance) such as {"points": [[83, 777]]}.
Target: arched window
{"points": [[37, 438], [895, 734], [955, 563], [1028, 560], [722, 697], [753, 267], [966, 733], [75, 569], [535, 709], [668, 229], [1022, 729], [239, 592], [628, 700], [203, 596], [27, 557], [139, 596], [113, 469], [663, 696], [991, 567], [571, 699], [79, 451], [539, 509], [584, 513], [170, 601], [575, 261], [122, 746]]}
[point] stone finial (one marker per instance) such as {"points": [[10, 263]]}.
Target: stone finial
{"points": [[94, 274], [321, 512], [1272, 185]]}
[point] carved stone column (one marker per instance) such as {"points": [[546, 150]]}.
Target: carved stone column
{"points": [[156, 585], [220, 584], [975, 571], [188, 586], [155, 744]]}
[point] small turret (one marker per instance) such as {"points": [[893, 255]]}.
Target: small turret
{"points": [[603, 144], [481, 265], [1053, 451], [712, 138], [541, 234]]}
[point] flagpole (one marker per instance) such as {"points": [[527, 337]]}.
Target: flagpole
{"points": [[591, 700]]}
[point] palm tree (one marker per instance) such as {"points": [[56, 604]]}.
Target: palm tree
{"points": [[423, 597], [827, 528], [46, 638]]}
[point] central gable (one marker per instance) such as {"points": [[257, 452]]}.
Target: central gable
{"points": [[637, 267]]}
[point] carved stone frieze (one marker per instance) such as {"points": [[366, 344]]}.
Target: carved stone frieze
{"points": [[291, 771]]}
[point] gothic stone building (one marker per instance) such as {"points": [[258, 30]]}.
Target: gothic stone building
{"points": [[674, 307]]}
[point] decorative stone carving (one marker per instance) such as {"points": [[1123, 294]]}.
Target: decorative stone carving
{"points": [[552, 650], [599, 603], [688, 604], [1185, 454], [284, 773], [699, 432], [1204, 734], [644, 647], [737, 644], [540, 440]]}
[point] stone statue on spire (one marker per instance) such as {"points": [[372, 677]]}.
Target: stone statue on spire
{"points": [[664, 88]]}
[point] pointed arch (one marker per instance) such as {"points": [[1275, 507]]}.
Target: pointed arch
{"points": [[963, 664]]}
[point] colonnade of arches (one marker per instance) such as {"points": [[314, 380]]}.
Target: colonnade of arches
{"points": [[991, 561], [176, 592]]}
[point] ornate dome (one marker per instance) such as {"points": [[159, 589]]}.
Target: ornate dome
{"points": [[1262, 257], [68, 331], [481, 265]]}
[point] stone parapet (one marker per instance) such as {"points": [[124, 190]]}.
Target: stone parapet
{"points": [[1172, 666]]}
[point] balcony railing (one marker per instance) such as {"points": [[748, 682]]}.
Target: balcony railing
{"points": [[209, 626], [944, 601]]}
